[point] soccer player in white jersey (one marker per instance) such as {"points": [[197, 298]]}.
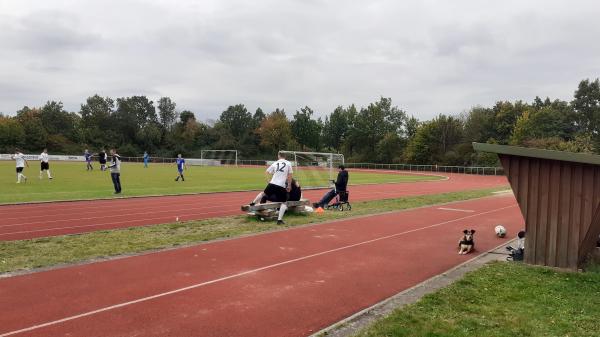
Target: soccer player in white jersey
{"points": [[277, 190], [45, 164], [21, 162]]}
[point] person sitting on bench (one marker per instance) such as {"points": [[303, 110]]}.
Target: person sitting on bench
{"points": [[295, 194], [340, 186]]}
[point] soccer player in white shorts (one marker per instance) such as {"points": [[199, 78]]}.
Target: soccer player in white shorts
{"points": [[279, 185], [21, 162]]}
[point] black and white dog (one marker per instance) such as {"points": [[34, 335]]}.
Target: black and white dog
{"points": [[466, 243]]}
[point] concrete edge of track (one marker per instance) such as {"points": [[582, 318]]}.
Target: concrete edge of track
{"points": [[349, 326], [158, 250], [443, 178]]}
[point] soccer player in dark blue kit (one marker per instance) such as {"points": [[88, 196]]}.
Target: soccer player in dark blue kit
{"points": [[88, 160], [180, 167]]}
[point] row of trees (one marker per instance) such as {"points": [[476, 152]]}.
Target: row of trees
{"points": [[379, 132]]}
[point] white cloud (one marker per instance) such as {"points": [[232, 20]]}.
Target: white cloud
{"points": [[430, 56]]}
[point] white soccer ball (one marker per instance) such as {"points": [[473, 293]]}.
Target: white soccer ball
{"points": [[500, 231]]}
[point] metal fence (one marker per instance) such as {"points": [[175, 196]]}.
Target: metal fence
{"points": [[481, 170]]}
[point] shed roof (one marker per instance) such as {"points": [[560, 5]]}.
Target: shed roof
{"points": [[538, 153]]}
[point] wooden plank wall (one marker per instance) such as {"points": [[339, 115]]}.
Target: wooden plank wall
{"points": [[560, 202]]}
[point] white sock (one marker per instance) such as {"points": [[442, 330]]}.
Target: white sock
{"points": [[258, 197], [282, 210], [40, 174], [18, 177], [49, 176]]}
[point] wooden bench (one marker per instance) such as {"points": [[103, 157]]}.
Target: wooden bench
{"points": [[269, 210]]}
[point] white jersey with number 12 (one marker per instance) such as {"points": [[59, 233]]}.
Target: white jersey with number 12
{"points": [[280, 171]]}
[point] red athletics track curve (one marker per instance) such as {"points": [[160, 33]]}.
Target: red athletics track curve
{"points": [[284, 283], [18, 222]]}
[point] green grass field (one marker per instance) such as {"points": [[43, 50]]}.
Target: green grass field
{"points": [[502, 300], [72, 181]]}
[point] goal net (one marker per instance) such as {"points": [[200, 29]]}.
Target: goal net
{"points": [[219, 157], [314, 169]]}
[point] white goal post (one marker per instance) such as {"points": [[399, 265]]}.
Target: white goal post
{"points": [[314, 169], [209, 155]]}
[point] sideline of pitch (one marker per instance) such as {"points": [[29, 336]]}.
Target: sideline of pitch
{"points": [[351, 325]]}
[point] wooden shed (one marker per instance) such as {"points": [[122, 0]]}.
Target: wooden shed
{"points": [[559, 196]]}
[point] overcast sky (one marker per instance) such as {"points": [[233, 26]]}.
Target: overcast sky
{"points": [[430, 57]]}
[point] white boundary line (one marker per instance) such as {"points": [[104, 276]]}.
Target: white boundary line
{"points": [[175, 291], [456, 209]]}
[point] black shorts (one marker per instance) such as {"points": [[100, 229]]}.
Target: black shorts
{"points": [[44, 166], [19, 169], [276, 193]]}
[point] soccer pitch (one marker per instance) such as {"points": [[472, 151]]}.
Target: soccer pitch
{"points": [[71, 180]]}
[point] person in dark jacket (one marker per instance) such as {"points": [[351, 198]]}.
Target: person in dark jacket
{"points": [[341, 184]]}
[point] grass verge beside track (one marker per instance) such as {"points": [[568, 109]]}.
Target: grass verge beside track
{"points": [[502, 300], [51, 251]]}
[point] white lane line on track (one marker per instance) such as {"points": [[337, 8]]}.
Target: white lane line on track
{"points": [[198, 285], [169, 219], [456, 209]]}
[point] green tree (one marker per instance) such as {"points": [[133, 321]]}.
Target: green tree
{"points": [[275, 131], [505, 118], [412, 124], [12, 134], [389, 149], [133, 114], [337, 126], [167, 113], [373, 123], [96, 121], [421, 148], [306, 130], [36, 136], [185, 116], [479, 124], [236, 120], [434, 140], [587, 107], [545, 120], [257, 118], [55, 119]]}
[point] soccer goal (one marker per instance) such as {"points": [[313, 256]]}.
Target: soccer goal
{"points": [[314, 169], [224, 157]]}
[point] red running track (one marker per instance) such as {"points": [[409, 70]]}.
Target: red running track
{"points": [[285, 283], [27, 221]]}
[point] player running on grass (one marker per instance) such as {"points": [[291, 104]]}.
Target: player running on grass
{"points": [[279, 185], [45, 164], [88, 160], [146, 159], [102, 158], [180, 167], [21, 162]]}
